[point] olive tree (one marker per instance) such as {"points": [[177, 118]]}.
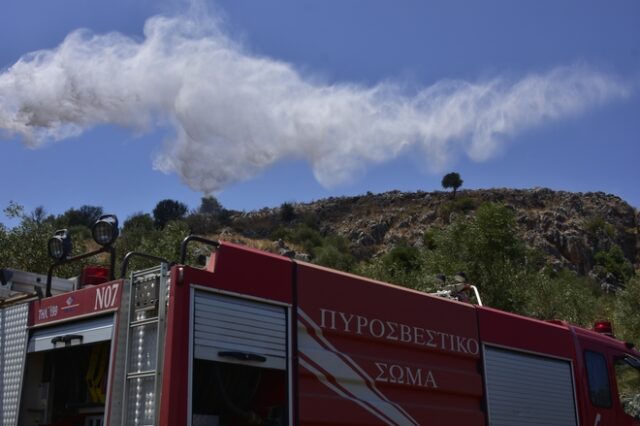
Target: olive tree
{"points": [[452, 180]]}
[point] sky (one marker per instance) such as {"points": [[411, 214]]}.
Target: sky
{"points": [[122, 104]]}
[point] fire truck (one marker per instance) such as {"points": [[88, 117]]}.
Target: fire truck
{"points": [[253, 338]]}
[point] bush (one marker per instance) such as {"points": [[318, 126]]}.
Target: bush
{"points": [[462, 205], [597, 226], [202, 224], [614, 262], [627, 308], [287, 212], [393, 269], [307, 237], [565, 296], [403, 258], [429, 239], [280, 233], [334, 253]]}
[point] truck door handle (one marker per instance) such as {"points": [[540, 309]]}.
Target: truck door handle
{"points": [[242, 356], [66, 339]]}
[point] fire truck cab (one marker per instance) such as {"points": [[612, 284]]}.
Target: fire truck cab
{"points": [[259, 339]]}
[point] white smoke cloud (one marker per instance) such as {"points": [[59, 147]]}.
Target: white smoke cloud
{"points": [[236, 113]]}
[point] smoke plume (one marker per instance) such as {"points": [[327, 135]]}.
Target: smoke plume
{"points": [[234, 113]]}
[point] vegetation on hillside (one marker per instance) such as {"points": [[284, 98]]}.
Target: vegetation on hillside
{"points": [[480, 239], [511, 276]]}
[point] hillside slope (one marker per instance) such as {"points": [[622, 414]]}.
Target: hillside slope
{"points": [[569, 228]]}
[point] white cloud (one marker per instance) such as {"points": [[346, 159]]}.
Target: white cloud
{"points": [[235, 113]]}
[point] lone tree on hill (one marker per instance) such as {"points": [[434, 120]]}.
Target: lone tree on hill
{"points": [[452, 180]]}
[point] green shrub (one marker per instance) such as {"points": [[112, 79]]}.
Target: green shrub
{"points": [[597, 225], [627, 308], [287, 212], [334, 253], [614, 262], [307, 237], [461, 205]]}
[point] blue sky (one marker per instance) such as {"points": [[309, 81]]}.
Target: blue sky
{"points": [[299, 100]]}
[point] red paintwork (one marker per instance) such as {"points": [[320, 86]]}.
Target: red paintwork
{"points": [[392, 314], [175, 382], [87, 301], [527, 334], [247, 271], [112, 364]]}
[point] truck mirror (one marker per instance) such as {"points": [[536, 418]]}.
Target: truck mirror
{"points": [[633, 362], [5, 276]]}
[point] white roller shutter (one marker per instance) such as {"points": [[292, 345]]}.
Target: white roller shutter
{"points": [[528, 390], [230, 329], [72, 333]]}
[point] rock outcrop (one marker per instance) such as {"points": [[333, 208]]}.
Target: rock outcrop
{"points": [[570, 228]]}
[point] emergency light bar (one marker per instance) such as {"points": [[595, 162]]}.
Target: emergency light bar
{"points": [[603, 327]]}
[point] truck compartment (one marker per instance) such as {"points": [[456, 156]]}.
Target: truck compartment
{"points": [[66, 373], [226, 394], [66, 387], [240, 361]]}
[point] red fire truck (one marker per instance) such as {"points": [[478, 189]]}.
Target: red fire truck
{"points": [[259, 339]]}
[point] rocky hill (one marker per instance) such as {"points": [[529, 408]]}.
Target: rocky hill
{"points": [[570, 228]]}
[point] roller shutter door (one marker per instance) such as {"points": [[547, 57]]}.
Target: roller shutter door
{"points": [[72, 333], [528, 390], [227, 329]]}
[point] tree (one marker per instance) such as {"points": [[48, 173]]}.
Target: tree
{"points": [[210, 205], [135, 229], [138, 221], [287, 212], [168, 210], [39, 215], [24, 246], [166, 243], [488, 248], [452, 180], [562, 295], [209, 217], [84, 216], [614, 262]]}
